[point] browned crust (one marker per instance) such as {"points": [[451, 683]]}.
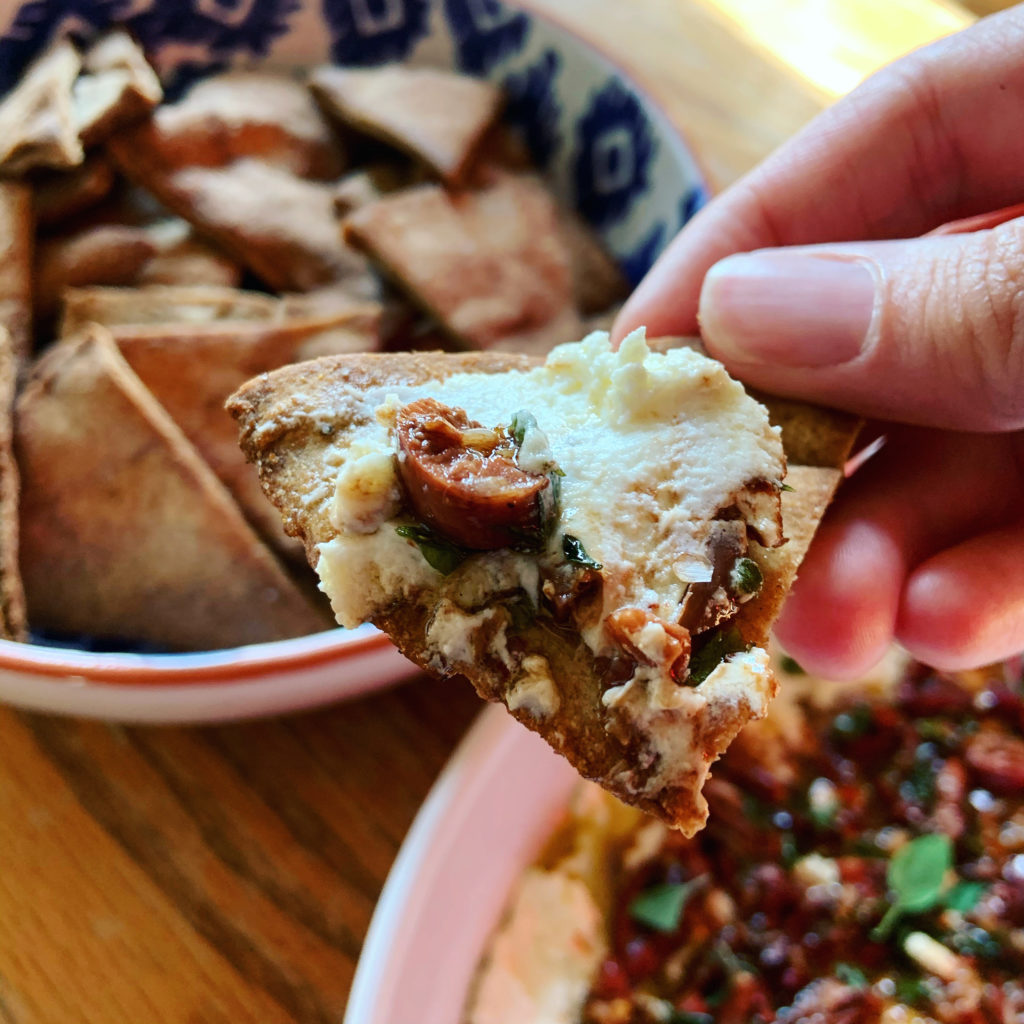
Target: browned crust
{"points": [[282, 417], [16, 231], [125, 530], [13, 619]]}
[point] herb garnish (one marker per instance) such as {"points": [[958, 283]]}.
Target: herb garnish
{"points": [[916, 876], [718, 646], [439, 553], [522, 421], [791, 666], [574, 552], [746, 577], [661, 906], [786, 487], [964, 896], [851, 975]]}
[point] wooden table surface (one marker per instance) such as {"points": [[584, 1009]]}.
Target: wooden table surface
{"points": [[228, 874]]}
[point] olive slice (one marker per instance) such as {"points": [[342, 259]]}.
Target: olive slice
{"points": [[462, 480]]}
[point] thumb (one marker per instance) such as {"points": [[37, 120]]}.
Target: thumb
{"points": [[927, 331]]}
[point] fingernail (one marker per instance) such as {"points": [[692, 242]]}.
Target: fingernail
{"points": [[796, 309]]}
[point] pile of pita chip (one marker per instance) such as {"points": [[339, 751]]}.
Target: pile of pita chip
{"points": [[155, 255]]}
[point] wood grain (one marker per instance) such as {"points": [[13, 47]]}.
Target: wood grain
{"points": [[228, 874]]}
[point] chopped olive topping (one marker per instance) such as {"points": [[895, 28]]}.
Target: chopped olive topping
{"points": [[805, 854], [746, 578], [574, 552], [440, 554]]}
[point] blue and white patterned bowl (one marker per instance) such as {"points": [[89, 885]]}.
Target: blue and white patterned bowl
{"points": [[602, 144]]}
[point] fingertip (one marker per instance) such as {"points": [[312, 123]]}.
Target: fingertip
{"points": [[839, 618], [964, 607]]}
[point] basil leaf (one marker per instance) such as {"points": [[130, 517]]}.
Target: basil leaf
{"points": [[964, 896], [522, 421], [574, 552], [439, 553], [916, 875], [661, 907], [850, 975], [719, 645], [786, 487], [746, 577]]}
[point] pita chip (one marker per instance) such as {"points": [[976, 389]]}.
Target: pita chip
{"points": [[57, 196], [192, 369], [485, 264], [245, 115], [108, 254], [126, 532], [16, 239], [164, 304], [37, 122], [436, 116], [635, 652], [117, 87], [13, 622], [292, 243]]}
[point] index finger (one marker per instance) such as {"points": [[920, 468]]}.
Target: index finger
{"points": [[924, 141]]}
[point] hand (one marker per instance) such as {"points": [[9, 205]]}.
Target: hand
{"points": [[925, 544]]}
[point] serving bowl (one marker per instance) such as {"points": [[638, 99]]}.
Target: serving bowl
{"points": [[602, 145]]}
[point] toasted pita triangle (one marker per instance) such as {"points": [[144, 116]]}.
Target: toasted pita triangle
{"points": [[291, 422], [126, 532], [192, 369], [164, 304], [438, 116], [487, 264], [37, 121]]}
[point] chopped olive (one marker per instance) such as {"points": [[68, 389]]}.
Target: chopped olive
{"points": [[791, 666], [574, 552], [440, 554], [853, 723]]}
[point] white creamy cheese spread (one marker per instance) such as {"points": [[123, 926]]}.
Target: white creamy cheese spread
{"points": [[651, 445]]}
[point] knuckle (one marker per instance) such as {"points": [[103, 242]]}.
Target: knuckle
{"points": [[985, 283]]}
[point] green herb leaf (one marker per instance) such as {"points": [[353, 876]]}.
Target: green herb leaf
{"points": [[661, 907], [911, 990], [574, 552], [718, 646], [791, 666], [916, 875], [746, 577], [964, 896], [786, 487], [522, 421], [851, 975], [440, 554]]}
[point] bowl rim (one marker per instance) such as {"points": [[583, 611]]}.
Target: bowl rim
{"points": [[229, 664]]}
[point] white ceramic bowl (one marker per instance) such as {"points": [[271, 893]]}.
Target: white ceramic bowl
{"points": [[486, 819], [602, 145]]}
